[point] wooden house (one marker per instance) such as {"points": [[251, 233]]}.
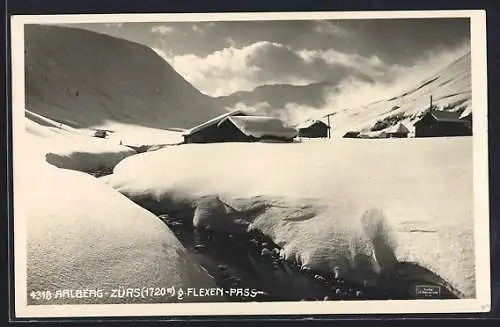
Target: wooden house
{"points": [[397, 131], [313, 129], [351, 135], [101, 133], [237, 126], [435, 123]]}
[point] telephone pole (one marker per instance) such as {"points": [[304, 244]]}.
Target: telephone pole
{"points": [[328, 120]]}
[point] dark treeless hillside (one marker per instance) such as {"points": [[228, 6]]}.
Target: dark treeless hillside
{"points": [[84, 79]]}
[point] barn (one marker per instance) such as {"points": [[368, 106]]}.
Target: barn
{"points": [[437, 123], [237, 126], [398, 131], [313, 128]]}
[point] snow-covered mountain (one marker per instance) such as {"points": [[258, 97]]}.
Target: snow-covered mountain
{"points": [[85, 79], [450, 89], [278, 96]]}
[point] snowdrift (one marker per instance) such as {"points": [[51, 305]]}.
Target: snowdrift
{"points": [[86, 155], [348, 205], [69, 149], [83, 235]]}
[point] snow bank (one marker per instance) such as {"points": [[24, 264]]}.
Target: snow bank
{"points": [[133, 135], [65, 149], [354, 204], [83, 235], [39, 126], [86, 155]]}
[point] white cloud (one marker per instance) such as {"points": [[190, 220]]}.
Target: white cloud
{"points": [[162, 29], [355, 93], [328, 28], [220, 73], [113, 24], [428, 64], [230, 42], [198, 29], [233, 69], [371, 65]]}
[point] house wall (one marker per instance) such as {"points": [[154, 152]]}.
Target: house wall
{"points": [[226, 132], [468, 122], [100, 133], [351, 135], [230, 133], [429, 127], [316, 130], [398, 135]]}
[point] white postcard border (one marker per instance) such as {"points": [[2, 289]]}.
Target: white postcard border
{"points": [[481, 191]]}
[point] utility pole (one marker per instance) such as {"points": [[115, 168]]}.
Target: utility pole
{"points": [[329, 128]]}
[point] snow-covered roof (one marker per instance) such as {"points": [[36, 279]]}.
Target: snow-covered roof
{"points": [[446, 116], [399, 128], [310, 122], [258, 126], [213, 121]]}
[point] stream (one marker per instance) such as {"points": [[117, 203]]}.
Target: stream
{"points": [[252, 262]]}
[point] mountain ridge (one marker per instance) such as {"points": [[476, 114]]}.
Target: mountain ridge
{"points": [[450, 88], [86, 79]]}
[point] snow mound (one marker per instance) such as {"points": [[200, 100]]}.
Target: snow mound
{"points": [[83, 235], [86, 155], [71, 150], [327, 204]]}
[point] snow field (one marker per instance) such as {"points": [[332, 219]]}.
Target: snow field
{"points": [[82, 234], [415, 195], [73, 150]]}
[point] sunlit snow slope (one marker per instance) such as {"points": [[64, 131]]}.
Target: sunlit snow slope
{"points": [[450, 89], [85, 79]]}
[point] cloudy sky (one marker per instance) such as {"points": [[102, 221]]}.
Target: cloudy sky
{"points": [[220, 58]]}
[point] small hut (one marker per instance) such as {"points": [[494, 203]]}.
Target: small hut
{"points": [[101, 133], [435, 123], [237, 126], [351, 135], [398, 131], [313, 129]]}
